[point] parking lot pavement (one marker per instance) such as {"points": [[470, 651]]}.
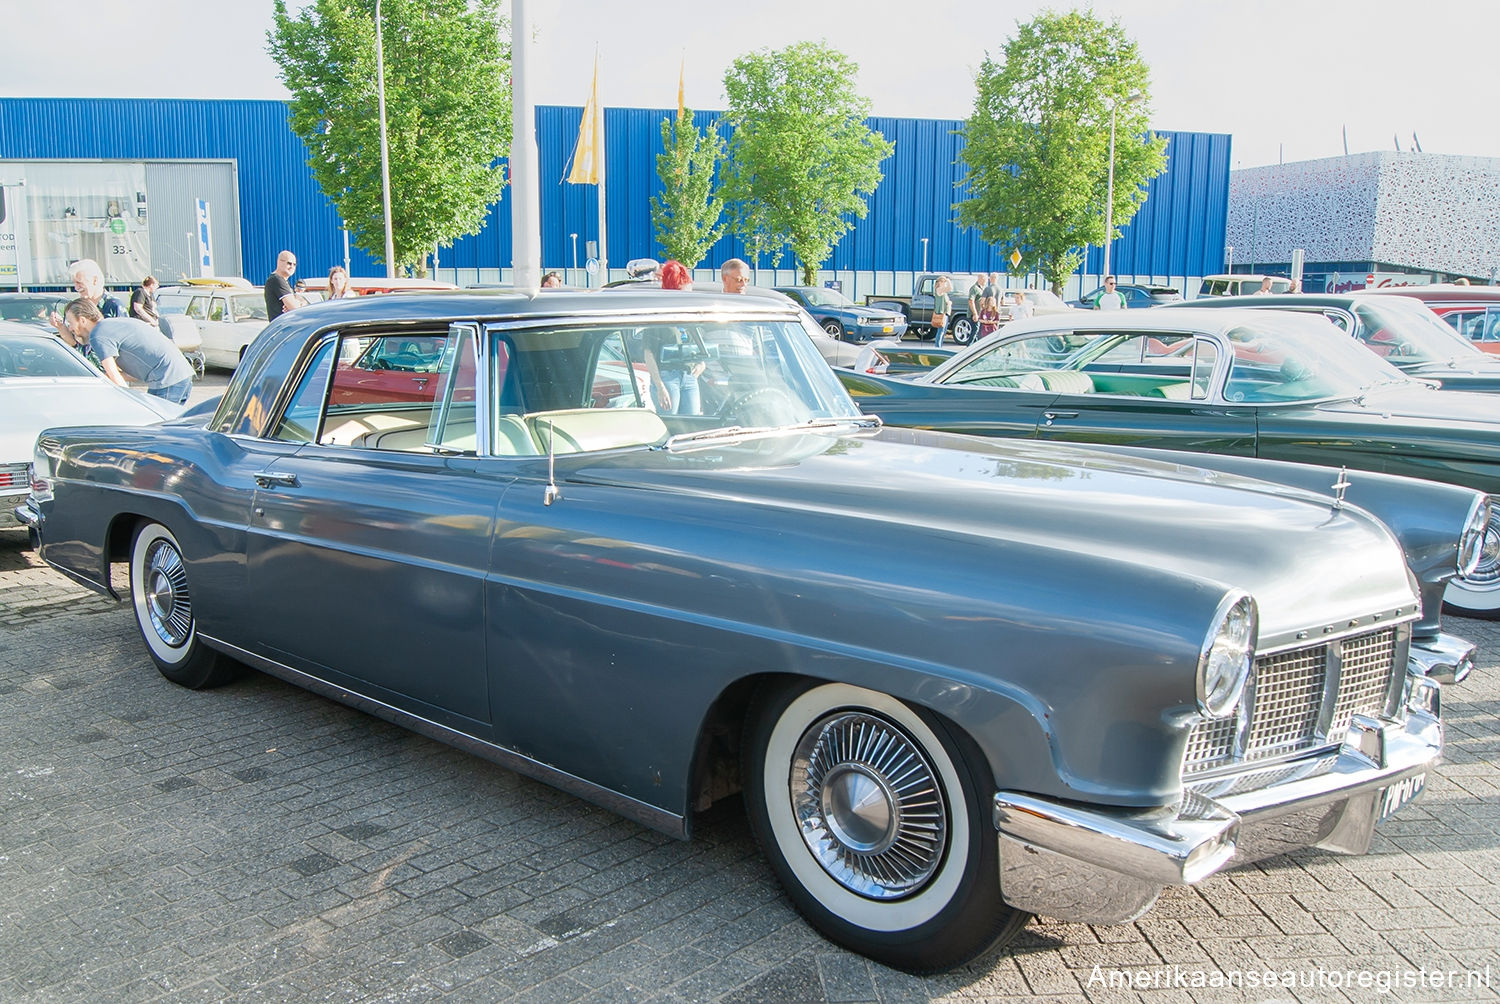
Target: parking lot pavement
{"points": [[258, 843]]}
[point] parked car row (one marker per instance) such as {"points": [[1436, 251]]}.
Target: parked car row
{"points": [[643, 546]]}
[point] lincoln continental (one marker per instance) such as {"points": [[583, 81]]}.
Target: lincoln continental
{"points": [[644, 547]]}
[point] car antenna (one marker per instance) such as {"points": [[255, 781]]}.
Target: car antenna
{"points": [[552, 494]]}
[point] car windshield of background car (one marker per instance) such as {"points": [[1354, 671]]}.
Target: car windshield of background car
{"points": [[823, 297], [29, 356], [26, 308], [1407, 332], [1282, 357]]}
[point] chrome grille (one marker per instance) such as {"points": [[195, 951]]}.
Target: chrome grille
{"points": [[1286, 708], [1365, 681]]}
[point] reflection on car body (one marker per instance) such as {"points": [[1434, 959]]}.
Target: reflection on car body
{"points": [[1059, 669]]}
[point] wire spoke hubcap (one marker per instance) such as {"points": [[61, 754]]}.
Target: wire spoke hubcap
{"points": [[167, 601], [868, 805]]}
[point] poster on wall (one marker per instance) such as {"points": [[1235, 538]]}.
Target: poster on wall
{"points": [[14, 245], [78, 211], [205, 239]]}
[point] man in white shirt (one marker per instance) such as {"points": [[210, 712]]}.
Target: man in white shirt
{"points": [[1111, 298]]}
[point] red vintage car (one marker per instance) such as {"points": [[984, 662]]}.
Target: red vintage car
{"points": [[1473, 311]]}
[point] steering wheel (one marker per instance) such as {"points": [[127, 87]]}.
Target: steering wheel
{"points": [[761, 406], [379, 364]]}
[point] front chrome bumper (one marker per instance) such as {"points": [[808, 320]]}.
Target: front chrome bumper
{"points": [[1442, 657], [1101, 866]]}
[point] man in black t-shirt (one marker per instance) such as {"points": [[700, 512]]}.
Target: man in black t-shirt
{"points": [[279, 295]]}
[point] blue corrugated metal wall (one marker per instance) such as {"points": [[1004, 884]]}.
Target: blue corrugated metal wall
{"points": [[1178, 232]]}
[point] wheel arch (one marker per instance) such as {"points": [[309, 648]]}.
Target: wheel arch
{"points": [[716, 764]]}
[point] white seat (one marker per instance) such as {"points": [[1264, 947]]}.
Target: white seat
{"points": [[584, 430]]}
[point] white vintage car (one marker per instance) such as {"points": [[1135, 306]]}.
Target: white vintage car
{"points": [[43, 383], [229, 314]]}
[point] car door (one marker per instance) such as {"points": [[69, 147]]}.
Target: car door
{"points": [[996, 391], [1146, 388], [368, 548]]}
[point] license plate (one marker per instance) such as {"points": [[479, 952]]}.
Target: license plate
{"points": [[888, 328], [1400, 793]]}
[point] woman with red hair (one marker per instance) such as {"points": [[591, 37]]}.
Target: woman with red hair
{"points": [[674, 275]]}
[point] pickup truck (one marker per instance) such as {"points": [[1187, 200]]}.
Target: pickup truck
{"points": [[918, 307]]}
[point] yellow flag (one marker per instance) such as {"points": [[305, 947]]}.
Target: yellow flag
{"points": [[590, 138], [681, 102]]}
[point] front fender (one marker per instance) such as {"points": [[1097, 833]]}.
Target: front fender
{"points": [[1427, 517]]}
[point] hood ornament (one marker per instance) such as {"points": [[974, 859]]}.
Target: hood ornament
{"points": [[1339, 488]]}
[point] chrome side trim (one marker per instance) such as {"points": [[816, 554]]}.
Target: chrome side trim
{"points": [[1444, 658], [652, 816]]}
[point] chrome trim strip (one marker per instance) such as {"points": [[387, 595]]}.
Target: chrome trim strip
{"points": [[652, 816]]}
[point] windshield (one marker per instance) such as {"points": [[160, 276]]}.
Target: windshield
{"points": [[1408, 334], [30, 308], [1294, 357], [822, 297], [29, 356], [606, 386]]}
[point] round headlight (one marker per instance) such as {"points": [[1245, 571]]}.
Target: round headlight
{"points": [[1228, 653], [1479, 542]]}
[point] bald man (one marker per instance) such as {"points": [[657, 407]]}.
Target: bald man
{"points": [[279, 294]]}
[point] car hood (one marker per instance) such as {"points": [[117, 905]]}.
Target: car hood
{"points": [[1305, 562], [32, 404]]}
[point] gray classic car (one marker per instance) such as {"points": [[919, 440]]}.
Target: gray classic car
{"points": [[642, 546]]}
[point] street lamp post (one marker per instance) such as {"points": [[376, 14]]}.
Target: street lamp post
{"points": [[574, 277], [924, 254], [385, 156], [1135, 97]]}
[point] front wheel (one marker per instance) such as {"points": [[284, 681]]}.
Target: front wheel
{"points": [[164, 612], [1479, 594], [833, 327], [873, 816]]}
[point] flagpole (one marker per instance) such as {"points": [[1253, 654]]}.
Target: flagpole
{"points": [[526, 206], [599, 136]]}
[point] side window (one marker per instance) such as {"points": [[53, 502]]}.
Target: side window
{"points": [[1205, 358], [455, 392], [354, 395], [216, 309], [299, 422], [197, 307], [1491, 331]]}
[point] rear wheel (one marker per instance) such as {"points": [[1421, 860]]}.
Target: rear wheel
{"points": [[873, 816], [962, 330], [164, 612]]}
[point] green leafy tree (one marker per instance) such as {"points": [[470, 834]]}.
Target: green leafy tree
{"points": [[447, 101], [801, 160], [1037, 144], [687, 215]]}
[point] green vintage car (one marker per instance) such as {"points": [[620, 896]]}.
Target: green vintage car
{"points": [[1257, 383]]}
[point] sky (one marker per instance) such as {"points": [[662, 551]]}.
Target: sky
{"points": [[1285, 78]]}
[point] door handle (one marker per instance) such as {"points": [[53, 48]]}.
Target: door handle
{"points": [[270, 480], [1052, 415]]}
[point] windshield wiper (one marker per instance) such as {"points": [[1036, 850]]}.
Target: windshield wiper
{"points": [[741, 433]]}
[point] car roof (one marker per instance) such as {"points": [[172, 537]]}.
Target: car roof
{"points": [[1441, 292], [1212, 320]]}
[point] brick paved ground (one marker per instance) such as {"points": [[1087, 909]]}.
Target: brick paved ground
{"points": [[257, 843]]}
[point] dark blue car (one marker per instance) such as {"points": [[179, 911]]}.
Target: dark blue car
{"points": [[842, 318]]}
